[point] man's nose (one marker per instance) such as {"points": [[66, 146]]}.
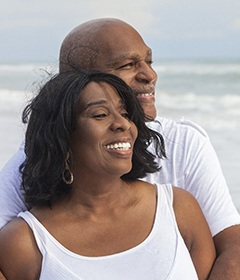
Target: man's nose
{"points": [[145, 73]]}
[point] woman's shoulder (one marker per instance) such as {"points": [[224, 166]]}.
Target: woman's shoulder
{"points": [[188, 214], [18, 249], [185, 206], [184, 200], [144, 186], [14, 233]]}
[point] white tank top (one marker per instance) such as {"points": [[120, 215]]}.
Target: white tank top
{"points": [[162, 255]]}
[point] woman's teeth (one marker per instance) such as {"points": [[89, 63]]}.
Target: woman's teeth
{"points": [[119, 146]]}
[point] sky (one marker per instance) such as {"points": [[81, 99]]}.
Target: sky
{"points": [[32, 31]]}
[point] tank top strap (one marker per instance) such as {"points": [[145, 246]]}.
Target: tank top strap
{"points": [[167, 191], [36, 228]]}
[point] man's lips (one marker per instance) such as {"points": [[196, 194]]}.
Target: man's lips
{"points": [[146, 97]]}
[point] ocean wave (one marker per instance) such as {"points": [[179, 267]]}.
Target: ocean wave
{"points": [[28, 67], [198, 68], [12, 96], [213, 112], [199, 102]]}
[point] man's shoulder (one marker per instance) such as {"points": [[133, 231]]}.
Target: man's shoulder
{"points": [[168, 126]]}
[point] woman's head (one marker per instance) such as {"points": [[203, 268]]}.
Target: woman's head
{"points": [[53, 126]]}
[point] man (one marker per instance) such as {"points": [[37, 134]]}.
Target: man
{"points": [[113, 46]]}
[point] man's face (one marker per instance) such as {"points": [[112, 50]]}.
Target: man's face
{"points": [[125, 55]]}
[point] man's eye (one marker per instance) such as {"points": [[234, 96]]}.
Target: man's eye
{"points": [[149, 62], [127, 65]]}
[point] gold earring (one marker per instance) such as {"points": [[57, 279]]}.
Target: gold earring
{"points": [[67, 175]]}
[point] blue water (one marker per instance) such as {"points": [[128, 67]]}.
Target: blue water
{"points": [[206, 90], [208, 77]]}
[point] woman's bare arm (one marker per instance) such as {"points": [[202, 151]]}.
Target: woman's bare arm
{"points": [[19, 254], [195, 232]]}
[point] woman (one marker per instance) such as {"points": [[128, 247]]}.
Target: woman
{"points": [[89, 216]]}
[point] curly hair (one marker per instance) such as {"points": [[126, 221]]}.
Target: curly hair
{"points": [[51, 118]]}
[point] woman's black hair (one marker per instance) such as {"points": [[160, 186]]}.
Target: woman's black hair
{"points": [[51, 118]]}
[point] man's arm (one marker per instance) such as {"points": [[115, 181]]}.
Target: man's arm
{"points": [[227, 264], [11, 197], [197, 170], [219, 210]]}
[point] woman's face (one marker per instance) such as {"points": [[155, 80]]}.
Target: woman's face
{"points": [[102, 143]]}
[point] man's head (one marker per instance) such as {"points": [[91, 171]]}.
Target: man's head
{"points": [[112, 46]]}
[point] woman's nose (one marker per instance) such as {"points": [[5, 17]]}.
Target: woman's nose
{"points": [[120, 123]]}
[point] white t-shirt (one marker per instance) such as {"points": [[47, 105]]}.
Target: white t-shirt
{"points": [[192, 164], [162, 255]]}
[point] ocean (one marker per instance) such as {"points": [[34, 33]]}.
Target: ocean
{"points": [[201, 90]]}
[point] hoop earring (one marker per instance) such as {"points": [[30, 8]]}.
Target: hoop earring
{"points": [[67, 173]]}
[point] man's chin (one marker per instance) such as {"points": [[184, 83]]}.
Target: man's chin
{"points": [[150, 112]]}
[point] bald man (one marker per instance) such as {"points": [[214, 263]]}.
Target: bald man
{"points": [[113, 46]]}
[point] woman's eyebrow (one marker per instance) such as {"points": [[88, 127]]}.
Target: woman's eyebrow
{"points": [[94, 103], [102, 102]]}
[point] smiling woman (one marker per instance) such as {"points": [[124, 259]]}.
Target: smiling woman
{"points": [[101, 113], [86, 146], [74, 118]]}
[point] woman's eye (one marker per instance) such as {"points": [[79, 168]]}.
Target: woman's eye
{"points": [[100, 116], [125, 115]]}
